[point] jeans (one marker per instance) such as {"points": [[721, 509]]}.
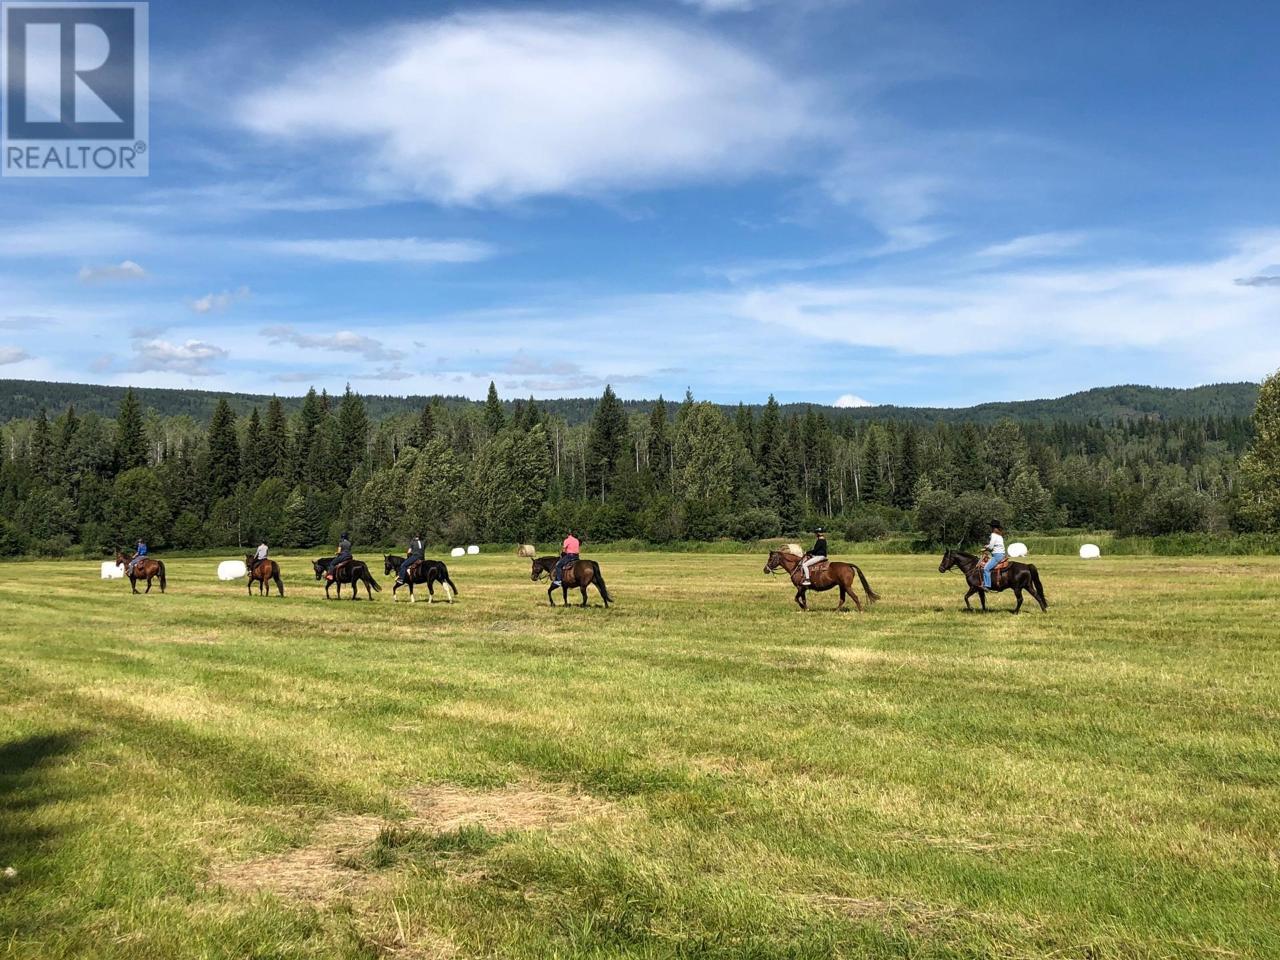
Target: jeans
{"points": [[563, 562], [340, 558], [404, 567], [988, 567]]}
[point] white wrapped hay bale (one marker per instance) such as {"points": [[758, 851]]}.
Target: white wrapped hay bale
{"points": [[457, 552], [794, 549], [1017, 549], [112, 570], [527, 550], [231, 570], [1090, 551], [473, 550]]}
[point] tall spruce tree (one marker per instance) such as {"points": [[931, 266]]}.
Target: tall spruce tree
{"points": [[131, 437], [606, 444], [494, 417], [275, 441], [353, 433], [223, 463]]}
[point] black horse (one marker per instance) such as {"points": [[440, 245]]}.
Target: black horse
{"points": [[1017, 576], [429, 572], [354, 572], [580, 574]]}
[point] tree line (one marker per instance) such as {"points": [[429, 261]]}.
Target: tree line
{"points": [[691, 470]]}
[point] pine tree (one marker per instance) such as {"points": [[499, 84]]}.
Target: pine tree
{"points": [[606, 444], [40, 451], [771, 453], [309, 420], [131, 438], [353, 434], [425, 430], [659, 448], [275, 441], [223, 468], [253, 467], [907, 470], [494, 418]]}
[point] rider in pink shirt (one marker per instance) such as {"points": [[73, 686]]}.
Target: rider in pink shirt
{"points": [[568, 554]]}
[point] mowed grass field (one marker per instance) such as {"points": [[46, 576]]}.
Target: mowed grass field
{"points": [[700, 771]]}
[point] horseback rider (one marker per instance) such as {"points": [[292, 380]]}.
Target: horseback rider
{"points": [[259, 556], [995, 546], [415, 553], [569, 551], [817, 555], [343, 555], [140, 552]]}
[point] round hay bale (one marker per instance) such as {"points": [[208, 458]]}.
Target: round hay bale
{"points": [[1017, 549], [111, 570], [458, 552], [473, 550], [793, 548], [232, 570], [1090, 551], [527, 550]]}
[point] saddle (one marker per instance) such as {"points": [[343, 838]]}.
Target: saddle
{"points": [[814, 569], [999, 573]]}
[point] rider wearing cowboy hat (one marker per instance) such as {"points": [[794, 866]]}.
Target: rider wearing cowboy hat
{"points": [[816, 555]]}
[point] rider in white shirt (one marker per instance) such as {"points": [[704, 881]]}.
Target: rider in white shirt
{"points": [[996, 547]]}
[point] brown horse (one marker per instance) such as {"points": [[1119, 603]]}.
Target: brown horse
{"points": [[580, 574], [835, 574], [263, 571], [145, 569], [1016, 576]]}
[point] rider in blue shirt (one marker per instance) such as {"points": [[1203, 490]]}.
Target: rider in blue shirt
{"points": [[140, 551]]}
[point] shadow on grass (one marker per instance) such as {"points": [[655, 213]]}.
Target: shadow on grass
{"points": [[25, 787]]}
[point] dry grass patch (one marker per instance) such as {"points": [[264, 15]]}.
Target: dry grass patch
{"points": [[521, 806], [330, 866]]}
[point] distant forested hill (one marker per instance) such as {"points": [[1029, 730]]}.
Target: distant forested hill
{"points": [[24, 398]]}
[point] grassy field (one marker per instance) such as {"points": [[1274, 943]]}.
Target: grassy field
{"points": [[701, 771]]}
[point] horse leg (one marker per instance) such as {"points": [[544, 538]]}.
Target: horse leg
{"points": [[550, 591], [982, 595], [583, 588], [148, 590], [800, 598], [1017, 592], [853, 594]]}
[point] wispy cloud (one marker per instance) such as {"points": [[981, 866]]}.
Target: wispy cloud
{"points": [[341, 341], [1034, 245], [499, 106], [387, 250], [211, 302], [10, 355], [194, 357], [1259, 280], [125, 270]]}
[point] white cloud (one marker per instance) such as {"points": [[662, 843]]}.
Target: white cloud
{"points": [[389, 250], [219, 301], [499, 106], [1033, 245], [1194, 309], [194, 357], [125, 270], [850, 400], [721, 6], [10, 355], [341, 341]]}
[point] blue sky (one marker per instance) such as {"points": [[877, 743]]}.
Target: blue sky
{"points": [[886, 200]]}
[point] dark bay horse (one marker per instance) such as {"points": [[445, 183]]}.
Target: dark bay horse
{"points": [[835, 574], [263, 571], [1018, 577], [354, 572], [429, 572], [146, 569], [580, 574]]}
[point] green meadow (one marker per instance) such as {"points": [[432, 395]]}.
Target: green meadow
{"points": [[699, 771]]}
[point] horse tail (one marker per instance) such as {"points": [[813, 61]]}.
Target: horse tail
{"points": [[275, 575], [872, 596], [163, 582], [1035, 578], [599, 579], [368, 578]]}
